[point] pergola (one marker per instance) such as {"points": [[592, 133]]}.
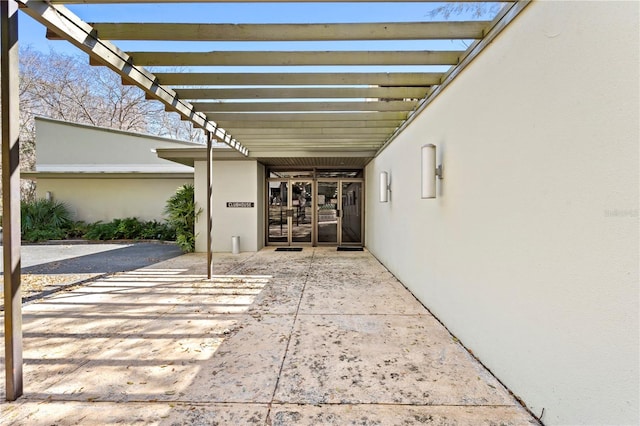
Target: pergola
{"points": [[279, 118]]}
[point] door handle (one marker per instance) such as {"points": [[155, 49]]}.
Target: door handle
{"points": [[338, 213], [290, 213]]}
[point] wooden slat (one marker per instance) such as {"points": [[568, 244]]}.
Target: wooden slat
{"points": [[292, 32], [303, 150], [338, 158], [336, 124], [286, 58], [248, 1], [328, 131], [297, 93], [323, 116], [277, 79], [302, 106], [303, 143]]}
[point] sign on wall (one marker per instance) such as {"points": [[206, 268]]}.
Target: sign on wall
{"points": [[240, 204]]}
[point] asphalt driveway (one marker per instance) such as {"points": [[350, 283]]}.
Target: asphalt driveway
{"points": [[50, 268], [84, 258]]}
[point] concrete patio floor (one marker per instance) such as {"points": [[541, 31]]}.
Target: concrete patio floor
{"points": [[281, 338]]}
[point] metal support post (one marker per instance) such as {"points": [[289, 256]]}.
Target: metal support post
{"points": [[11, 197], [209, 205]]}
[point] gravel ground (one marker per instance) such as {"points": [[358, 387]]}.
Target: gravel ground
{"points": [[35, 286], [40, 283]]}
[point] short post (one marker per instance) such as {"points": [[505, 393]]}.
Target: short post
{"points": [[235, 244]]}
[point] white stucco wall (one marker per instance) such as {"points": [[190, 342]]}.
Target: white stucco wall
{"points": [[92, 200], [232, 181], [530, 252]]}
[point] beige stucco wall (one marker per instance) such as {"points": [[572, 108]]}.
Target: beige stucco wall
{"points": [[530, 252], [70, 147], [92, 200], [232, 181], [105, 174]]}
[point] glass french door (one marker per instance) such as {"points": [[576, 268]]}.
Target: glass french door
{"points": [[327, 212], [351, 218], [339, 212], [290, 212]]}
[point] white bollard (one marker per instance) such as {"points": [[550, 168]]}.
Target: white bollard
{"points": [[235, 244]]}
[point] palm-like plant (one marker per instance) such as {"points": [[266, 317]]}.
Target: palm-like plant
{"points": [[181, 215], [44, 219]]}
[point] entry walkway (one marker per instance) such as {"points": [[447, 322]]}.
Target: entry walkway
{"points": [[283, 338]]}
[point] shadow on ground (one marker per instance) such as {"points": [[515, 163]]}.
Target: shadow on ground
{"points": [[127, 258], [309, 338]]}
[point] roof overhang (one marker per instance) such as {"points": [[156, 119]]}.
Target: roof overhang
{"points": [[326, 159]]}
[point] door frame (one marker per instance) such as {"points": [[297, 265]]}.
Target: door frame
{"points": [[290, 206], [314, 211], [340, 208], [362, 209]]}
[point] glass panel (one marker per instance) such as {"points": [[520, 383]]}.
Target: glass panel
{"points": [[339, 174], [278, 225], [302, 203], [351, 212], [285, 174], [327, 212]]}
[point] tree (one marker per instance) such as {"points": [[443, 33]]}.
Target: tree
{"points": [[472, 9], [66, 87]]}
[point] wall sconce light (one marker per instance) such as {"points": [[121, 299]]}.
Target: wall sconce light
{"points": [[429, 171], [384, 187]]}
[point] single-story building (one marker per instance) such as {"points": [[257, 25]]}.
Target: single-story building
{"points": [[527, 249], [103, 174]]}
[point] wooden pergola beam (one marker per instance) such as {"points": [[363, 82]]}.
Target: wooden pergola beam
{"points": [[297, 93], [102, 52], [251, 1], [415, 79], [312, 132], [208, 107], [297, 58], [309, 116], [291, 32], [302, 143], [336, 124]]}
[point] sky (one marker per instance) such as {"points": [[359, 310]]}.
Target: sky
{"points": [[33, 34]]}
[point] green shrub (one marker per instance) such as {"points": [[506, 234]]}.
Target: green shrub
{"points": [[77, 230], [181, 215], [154, 230], [50, 220], [43, 219], [129, 229], [101, 231]]}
